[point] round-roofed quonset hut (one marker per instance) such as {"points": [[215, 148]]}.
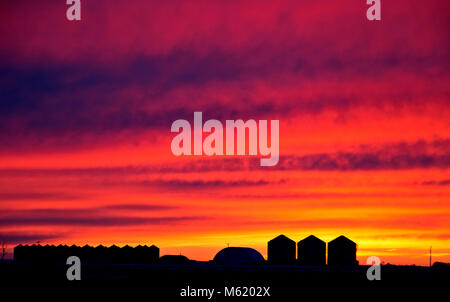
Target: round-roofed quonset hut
{"points": [[238, 256]]}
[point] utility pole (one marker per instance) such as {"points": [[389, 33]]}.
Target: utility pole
{"points": [[430, 256], [4, 246]]}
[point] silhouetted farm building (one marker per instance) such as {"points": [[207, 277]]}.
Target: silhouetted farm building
{"points": [[342, 251], [238, 256], [311, 251], [87, 254], [281, 250], [175, 259]]}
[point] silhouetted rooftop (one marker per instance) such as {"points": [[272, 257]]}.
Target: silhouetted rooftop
{"points": [[311, 238], [342, 240], [174, 259], [237, 256], [282, 238]]}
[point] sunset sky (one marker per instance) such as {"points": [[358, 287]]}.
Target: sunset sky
{"points": [[86, 109]]}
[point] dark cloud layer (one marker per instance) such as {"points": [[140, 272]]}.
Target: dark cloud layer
{"points": [[139, 207], [67, 212], [21, 195], [89, 217], [56, 94], [393, 156], [445, 182], [182, 184], [25, 237], [100, 221]]}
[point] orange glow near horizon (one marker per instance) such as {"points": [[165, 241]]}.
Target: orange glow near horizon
{"points": [[388, 213]]}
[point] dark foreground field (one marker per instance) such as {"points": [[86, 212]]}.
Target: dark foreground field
{"points": [[283, 282]]}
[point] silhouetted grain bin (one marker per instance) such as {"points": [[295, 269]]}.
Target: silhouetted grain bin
{"points": [[281, 250], [87, 254], [19, 253], [127, 255], [99, 254], [113, 255], [60, 253], [311, 251], [153, 254], [238, 256], [342, 251]]}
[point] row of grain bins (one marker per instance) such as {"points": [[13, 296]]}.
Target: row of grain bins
{"points": [[311, 251], [89, 254]]}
